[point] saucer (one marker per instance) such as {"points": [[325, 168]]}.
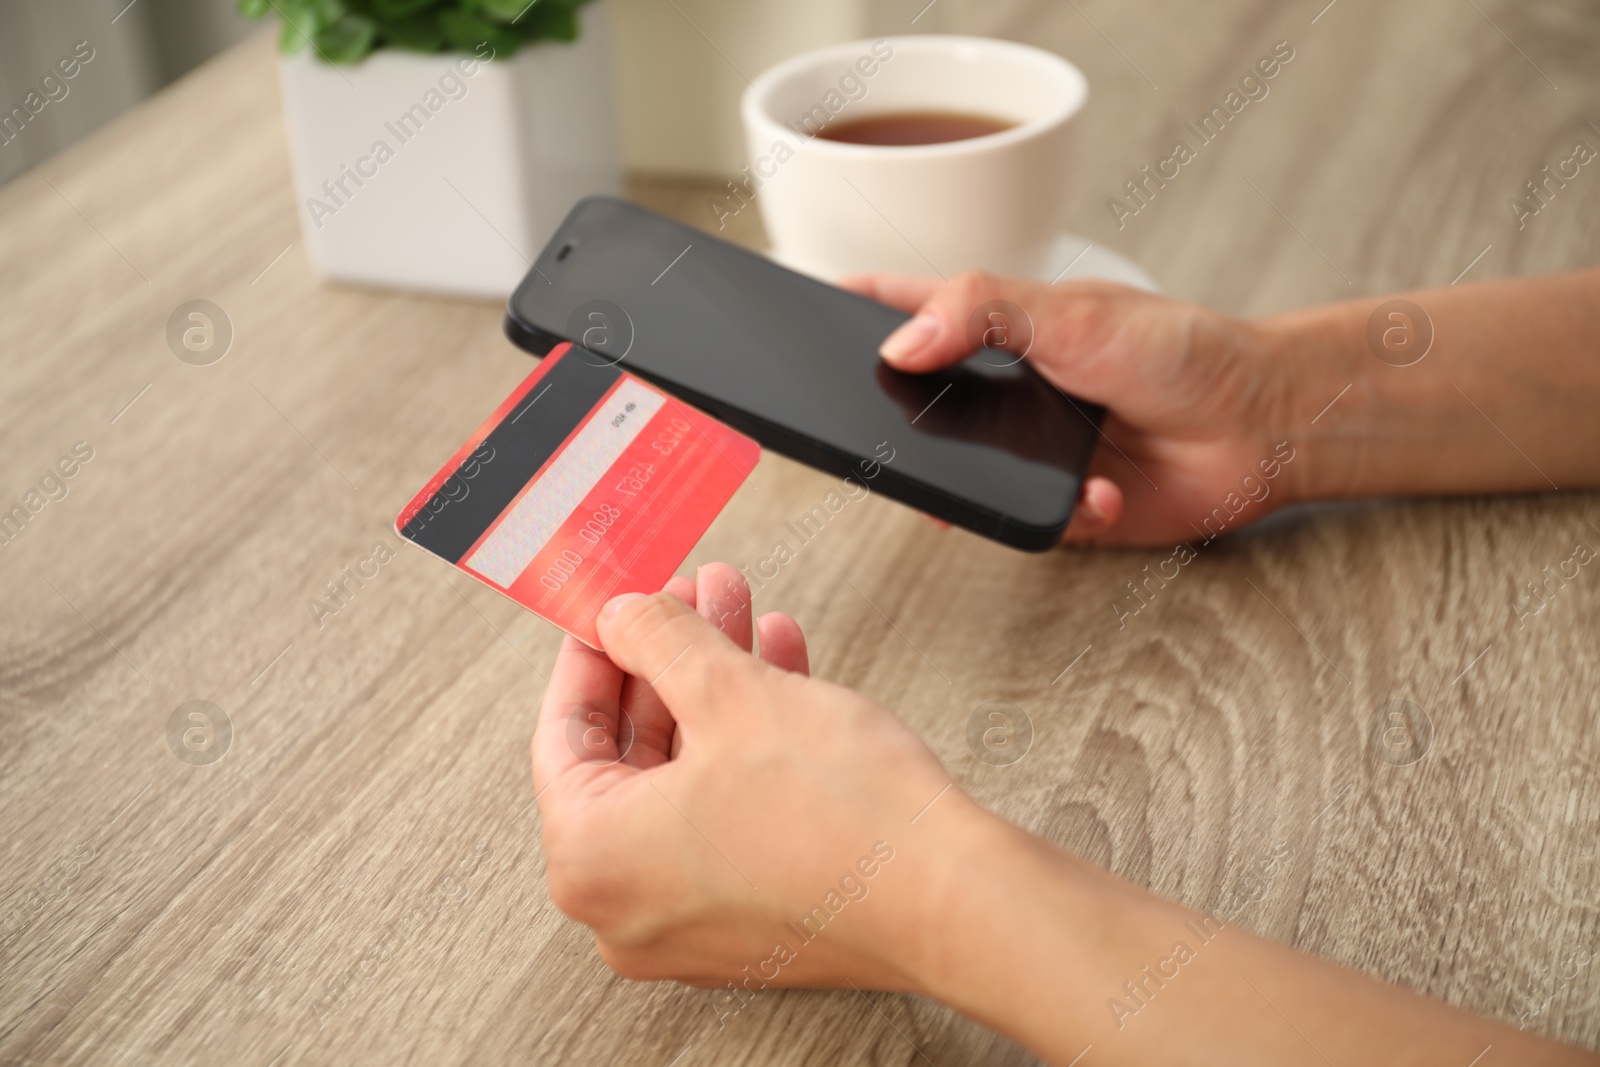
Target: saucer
{"points": [[1079, 258], [1072, 257]]}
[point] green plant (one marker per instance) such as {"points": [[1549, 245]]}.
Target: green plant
{"points": [[345, 31]]}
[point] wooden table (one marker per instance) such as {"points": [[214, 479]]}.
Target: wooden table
{"points": [[359, 879]]}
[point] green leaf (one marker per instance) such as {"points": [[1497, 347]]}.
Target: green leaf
{"points": [[418, 34], [291, 40], [551, 19], [347, 40], [347, 30], [466, 32], [389, 12], [302, 21], [506, 10], [560, 26]]}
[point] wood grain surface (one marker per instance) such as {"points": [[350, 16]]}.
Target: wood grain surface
{"points": [[359, 878]]}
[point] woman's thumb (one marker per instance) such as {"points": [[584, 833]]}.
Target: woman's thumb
{"points": [[958, 319]]}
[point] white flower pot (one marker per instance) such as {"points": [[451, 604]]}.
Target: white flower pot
{"points": [[448, 172]]}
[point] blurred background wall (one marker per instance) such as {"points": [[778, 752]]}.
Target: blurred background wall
{"points": [[703, 50], [148, 45]]}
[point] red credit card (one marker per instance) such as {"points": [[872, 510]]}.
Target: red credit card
{"points": [[585, 483]]}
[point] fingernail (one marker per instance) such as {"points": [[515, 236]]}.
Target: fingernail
{"points": [[617, 603], [911, 336], [1095, 498]]}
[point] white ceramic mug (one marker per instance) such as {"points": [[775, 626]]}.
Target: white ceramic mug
{"points": [[993, 202]]}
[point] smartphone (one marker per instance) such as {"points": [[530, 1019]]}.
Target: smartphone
{"points": [[987, 445]]}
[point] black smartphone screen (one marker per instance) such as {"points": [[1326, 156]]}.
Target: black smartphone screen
{"points": [[987, 444]]}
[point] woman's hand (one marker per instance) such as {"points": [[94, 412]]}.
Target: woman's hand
{"points": [[754, 825], [1214, 421], [1195, 401]]}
